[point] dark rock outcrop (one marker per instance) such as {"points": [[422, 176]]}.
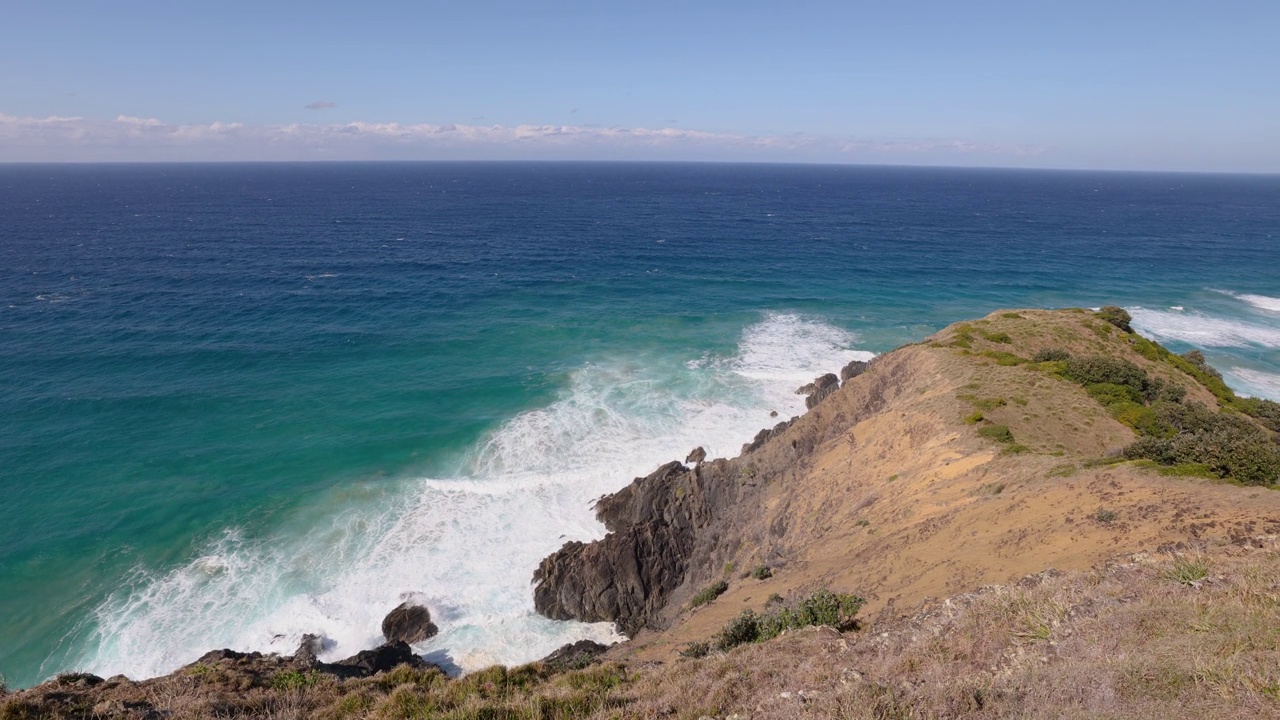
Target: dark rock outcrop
{"points": [[380, 659], [575, 656], [765, 435], [819, 390], [852, 370], [409, 623], [214, 656], [628, 576], [698, 455], [308, 650]]}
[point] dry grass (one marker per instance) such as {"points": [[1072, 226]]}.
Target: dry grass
{"points": [[1127, 642], [1132, 640]]}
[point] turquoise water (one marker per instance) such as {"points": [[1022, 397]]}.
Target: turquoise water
{"points": [[244, 402]]}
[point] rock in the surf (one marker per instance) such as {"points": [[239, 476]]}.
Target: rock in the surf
{"points": [[409, 623], [698, 455]]}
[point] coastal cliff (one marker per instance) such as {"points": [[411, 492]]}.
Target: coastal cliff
{"points": [[981, 455], [1028, 514]]}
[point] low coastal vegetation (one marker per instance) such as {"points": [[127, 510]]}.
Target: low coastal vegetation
{"points": [[1237, 441], [824, 607], [709, 593]]}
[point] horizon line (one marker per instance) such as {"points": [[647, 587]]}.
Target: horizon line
{"points": [[589, 161]]}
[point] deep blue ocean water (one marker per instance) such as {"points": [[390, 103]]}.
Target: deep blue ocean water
{"points": [[244, 402]]}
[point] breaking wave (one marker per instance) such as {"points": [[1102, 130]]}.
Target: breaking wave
{"points": [[466, 545]]}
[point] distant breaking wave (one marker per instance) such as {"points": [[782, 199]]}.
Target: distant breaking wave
{"points": [[1262, 302], [1199, 329], [1255, 383], [468, 544]]}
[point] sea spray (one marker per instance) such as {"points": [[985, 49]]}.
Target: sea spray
{"points": [[468, 544]]}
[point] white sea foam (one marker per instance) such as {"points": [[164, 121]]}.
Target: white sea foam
{"points": [[1202, 330], [1254, 383], [467, 545], [1261, 301]]}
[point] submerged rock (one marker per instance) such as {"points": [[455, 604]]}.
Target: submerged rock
{"points": [[410, 623]]}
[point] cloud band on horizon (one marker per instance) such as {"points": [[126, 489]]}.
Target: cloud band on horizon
{"points": [[85, 139]]}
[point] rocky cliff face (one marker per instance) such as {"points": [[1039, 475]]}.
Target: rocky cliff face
{"points": [[935, 469], [656, 526], [676, 527]]}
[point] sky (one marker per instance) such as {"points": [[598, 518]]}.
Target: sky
{"points": [[1124, 84]]}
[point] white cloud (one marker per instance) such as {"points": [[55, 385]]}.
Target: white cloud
{"points": [[137, 138]]}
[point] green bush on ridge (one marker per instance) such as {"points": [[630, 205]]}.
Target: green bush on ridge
{"points": [[1174, 433], [824, 607], [1115, 315]]}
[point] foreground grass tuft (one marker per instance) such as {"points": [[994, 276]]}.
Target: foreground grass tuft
{"points": [[1187, 571]]}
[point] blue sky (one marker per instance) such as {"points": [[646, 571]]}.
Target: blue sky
{"points": [[1123, 85]]}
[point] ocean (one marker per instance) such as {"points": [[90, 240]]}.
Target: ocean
{"points": [[244, 402]]}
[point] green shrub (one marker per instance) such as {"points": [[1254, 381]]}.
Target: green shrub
{"points": [[1140, 418], [1117, 316], [1149, 349], [1266, 412], [1105, 517], [1050, 355], [974, 417], [996, 337], [1158, 389], [1197, 360], [711, 592], [1111, 394], [761, 572], [824, 607], [696, 650], [1228, 445], [999, 433], [294, 680], [1102, 369]]}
